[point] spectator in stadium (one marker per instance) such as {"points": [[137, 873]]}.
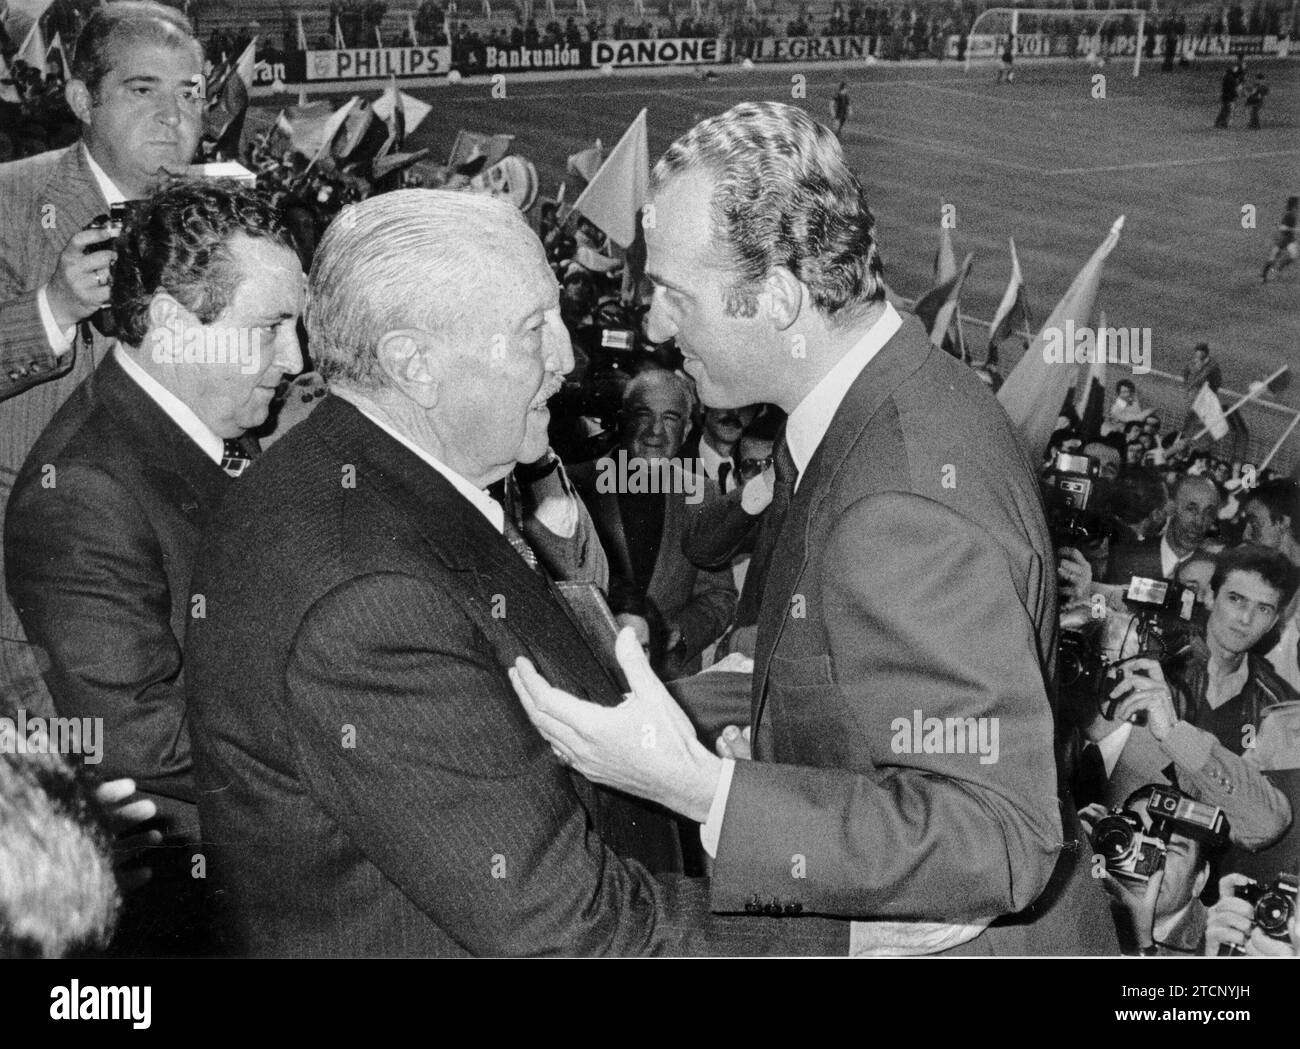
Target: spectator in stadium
{"points": [[1229, 91], [1125, 410], [1272, 514], [1255, 100], [206, 294], [1194, 511], [1286, 248], [641, 498], [136, 92]]}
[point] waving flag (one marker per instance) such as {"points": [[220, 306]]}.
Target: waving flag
{"points": [[618, 191], [1012, 311]]}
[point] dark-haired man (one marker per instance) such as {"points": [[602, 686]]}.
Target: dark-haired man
{"points": [[136, 89], [106, 513]]}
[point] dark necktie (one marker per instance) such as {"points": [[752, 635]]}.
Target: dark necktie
{"points": [[769, 527], [237, 454], [724, 471]]}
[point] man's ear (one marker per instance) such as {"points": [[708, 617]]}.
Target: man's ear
{"points": [[406, 359], [79, 99], [782, 297], [163, 310], [1202, 876]]}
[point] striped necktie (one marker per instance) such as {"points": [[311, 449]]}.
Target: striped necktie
{"points": [[517, 540], [236, 456]]}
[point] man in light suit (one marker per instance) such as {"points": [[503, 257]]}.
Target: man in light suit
{"points": [[368, 782], [137, 91], [910, 585], [104, 522], [642, 530]]}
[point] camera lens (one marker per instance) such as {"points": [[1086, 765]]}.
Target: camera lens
{"points": [[1272, 913], [1112, 838]]}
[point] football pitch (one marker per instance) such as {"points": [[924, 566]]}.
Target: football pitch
{"points": [[1043, 160]]}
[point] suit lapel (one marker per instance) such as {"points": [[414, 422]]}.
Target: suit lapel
{"points": [[73, 197], [899, 358]]}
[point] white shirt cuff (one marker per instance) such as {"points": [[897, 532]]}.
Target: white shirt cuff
{"points": [[757, 493], [60, 341], [711, 831]]}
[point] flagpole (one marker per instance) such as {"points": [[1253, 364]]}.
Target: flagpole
{"points": [[1250, 395], [1281, 441]]}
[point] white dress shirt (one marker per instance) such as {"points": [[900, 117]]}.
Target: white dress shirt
{"points": [[177, 410], [61, 341]]}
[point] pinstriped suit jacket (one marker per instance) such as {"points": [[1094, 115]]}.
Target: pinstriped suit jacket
{"points": [[44, 200], [368, 782]]}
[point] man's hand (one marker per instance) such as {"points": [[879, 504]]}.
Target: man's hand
{"points": [[1232, 921], [123, 816], [645, 746], [734, 743], [1144, 690], [1074, 572], [1138, 902], [80, 282]]}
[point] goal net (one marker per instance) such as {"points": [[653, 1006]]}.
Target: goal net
{"points": [[1096, 37]]}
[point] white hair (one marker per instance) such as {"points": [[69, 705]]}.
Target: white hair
{"points": [[409, 259]]}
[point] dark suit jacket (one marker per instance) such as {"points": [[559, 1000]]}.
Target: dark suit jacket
{"points": [[44, 200], [100, 539], [1134, 559], [913, 573], [368, 781], [700, 602]]}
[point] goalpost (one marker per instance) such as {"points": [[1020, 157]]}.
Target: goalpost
{"points": [[1012, 15]]}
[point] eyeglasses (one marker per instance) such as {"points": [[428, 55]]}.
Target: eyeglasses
{"points": [[749, 468]]}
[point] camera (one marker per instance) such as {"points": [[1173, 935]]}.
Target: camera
{"points": [[1133, 851], [1071, 494], [1274, 904], [102, 318]]}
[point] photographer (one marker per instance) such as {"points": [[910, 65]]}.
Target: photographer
{"points": [[1157, 911], [1131, 727], [1232, 924]]}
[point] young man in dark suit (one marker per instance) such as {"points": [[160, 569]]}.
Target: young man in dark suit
{"points": [[106, 514], [368, 782], [911, 584], [136, 90]]}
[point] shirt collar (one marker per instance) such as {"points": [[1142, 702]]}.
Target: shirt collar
{"points": [[112, 195], [710, 459], [177, 410], [478, 497], [808, 423]]}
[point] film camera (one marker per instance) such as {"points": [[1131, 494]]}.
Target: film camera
{"points": [[102, 318], [1073, 493], [1134, 849], [1274, 904]]}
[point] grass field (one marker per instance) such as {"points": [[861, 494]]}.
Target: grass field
{"points": [[1042, 161]]}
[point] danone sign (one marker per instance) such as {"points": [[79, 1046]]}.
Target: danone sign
{"points": [[367, 63], [655, 52]]}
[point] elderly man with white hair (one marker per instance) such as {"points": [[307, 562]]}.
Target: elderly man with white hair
{"points": [[368, 781]]}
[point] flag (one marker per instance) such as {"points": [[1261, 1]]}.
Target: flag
{"points": [[696, 11], [938, 306], [379, 40], [1090, 391], [477, 149], [945, 260], [302, 36], [587, 162], [1033, 392], [1207, 406], [339, 43], [394, 118], [362, 137], [57, 45], [582, 8], [413, 110], [305, 125], [385, 169], [225, 115], [487, 9], [619, 189], [410, 29], [328, 130], [32, 51], [1013, 308], [550, 10]]}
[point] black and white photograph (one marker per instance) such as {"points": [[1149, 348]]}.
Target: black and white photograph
{"points": [[619, 479]]}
